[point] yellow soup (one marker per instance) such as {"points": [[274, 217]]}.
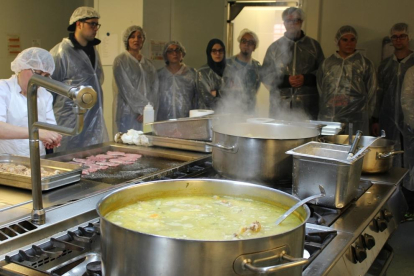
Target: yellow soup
{"points": [[203, 218]]}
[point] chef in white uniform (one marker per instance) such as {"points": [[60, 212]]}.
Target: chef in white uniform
{"points": [[14, 132]]}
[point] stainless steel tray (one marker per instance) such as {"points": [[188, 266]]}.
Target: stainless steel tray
{"points": [[185, 128], [323, 164], [71, 173], [182, 144]]}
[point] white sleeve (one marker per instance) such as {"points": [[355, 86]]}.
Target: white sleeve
{"points": [[50, 116], [4, 101]]}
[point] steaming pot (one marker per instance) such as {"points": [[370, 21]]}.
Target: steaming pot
{"points": [[256, 152], [128, 252]]}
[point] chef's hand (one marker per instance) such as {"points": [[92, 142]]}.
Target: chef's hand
{"points": [[140, 118], [49, 137], [214, 93], [296, 81]]}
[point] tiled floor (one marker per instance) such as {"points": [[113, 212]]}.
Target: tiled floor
{"points": [[402, 241]]}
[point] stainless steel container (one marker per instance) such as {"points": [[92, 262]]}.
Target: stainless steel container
{"points": [[380, 157], [256, 152], [184, 128], [127, 252], [323, 164]]}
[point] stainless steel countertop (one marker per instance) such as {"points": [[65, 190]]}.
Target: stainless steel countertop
{"points": [[354, 220], [16, 203]]}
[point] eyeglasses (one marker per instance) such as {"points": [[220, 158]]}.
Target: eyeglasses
{"points": [[176, 50], [293, 21], [41, 73], [248, 42], [217, 51], [94, 25], [399, 37]]}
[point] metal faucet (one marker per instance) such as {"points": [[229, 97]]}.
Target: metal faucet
{"points": [[84, 98]]}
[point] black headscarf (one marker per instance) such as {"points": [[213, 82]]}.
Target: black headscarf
{"points": [[217, 67]]}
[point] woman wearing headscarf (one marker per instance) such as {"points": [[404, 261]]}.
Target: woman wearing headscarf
{"points": [[177, 92], [14, 132], [135, 82], [347, 83], [210, 76]]}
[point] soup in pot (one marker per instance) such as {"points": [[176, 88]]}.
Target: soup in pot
{"points": [[204, 218]]}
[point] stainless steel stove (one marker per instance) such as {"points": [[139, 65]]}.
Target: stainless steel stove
{"points": [[339, 241]]}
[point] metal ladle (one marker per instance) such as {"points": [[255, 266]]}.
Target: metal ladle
{"points": [[361, 150], [299, 204]]}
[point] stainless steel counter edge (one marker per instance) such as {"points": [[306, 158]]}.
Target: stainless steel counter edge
{"points": [[355, 218], [58, 219]]}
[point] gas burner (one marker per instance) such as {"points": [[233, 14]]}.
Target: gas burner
{"points": [[93, 269]]}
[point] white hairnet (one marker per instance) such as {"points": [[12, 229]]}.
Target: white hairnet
{"points": [[298, 11], [127, 33], [164, 53], [33, 58], [253, 34], [344, 30], [82, 13]]}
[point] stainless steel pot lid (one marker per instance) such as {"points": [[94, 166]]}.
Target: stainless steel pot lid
{"points": [[275, 131]]}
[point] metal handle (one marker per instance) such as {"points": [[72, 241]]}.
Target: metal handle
{"points": [[232, 149], [247, 264], [383, 155]]}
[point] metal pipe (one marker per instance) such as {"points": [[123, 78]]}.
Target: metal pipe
{"points": [[83, 97]]}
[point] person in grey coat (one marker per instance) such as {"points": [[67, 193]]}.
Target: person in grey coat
{"points": [[388, 114], [177, 90], [347, 84], [78, 63], [241, 79], [210, 75], [289, 69], [135, 82]]}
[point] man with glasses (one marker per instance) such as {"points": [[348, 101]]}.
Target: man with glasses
{"points": [[289, 70], [78, 63], [241, 76], [388, 113]]}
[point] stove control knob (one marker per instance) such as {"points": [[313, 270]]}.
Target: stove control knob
{"points": [[382, 224], [359, 253], [369, 241], [387, 215]]}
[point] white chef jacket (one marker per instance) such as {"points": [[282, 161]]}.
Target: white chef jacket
{"points": [[13, 110]]}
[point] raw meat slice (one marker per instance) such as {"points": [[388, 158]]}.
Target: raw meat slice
{"points": [[96, 159], [110, 164], [133, 155], [80, 160], [106, 156], [85, 171]]}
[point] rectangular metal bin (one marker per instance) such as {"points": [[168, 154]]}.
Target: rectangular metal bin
{"points": [[323, 164], [185, 128], [70, 173]]}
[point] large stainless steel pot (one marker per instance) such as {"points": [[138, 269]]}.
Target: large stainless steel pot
{"points": [[127, 252], [380, 157], [256, 152]]}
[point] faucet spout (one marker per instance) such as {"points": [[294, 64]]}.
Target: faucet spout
{"points": [[84, 97]]}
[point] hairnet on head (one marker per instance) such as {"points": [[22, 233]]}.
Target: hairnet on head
{"points": [[344, 30], [399, 27], [129, 31], [33, 58], [80, 14], [253, 34], [291, 10], [164, 53]]}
